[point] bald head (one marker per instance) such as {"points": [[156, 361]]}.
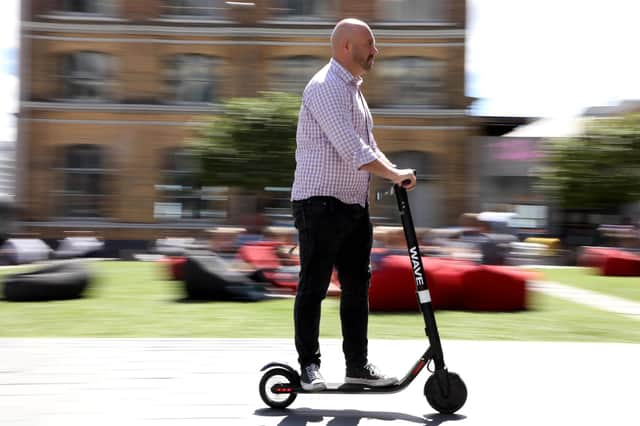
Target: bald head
{"points": [[353, 45], [345, 30]]}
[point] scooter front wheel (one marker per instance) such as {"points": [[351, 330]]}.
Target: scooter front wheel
{"points": [[276, 388], [446, 398]]}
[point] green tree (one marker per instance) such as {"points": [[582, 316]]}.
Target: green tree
{"points": [[251, 144], [597, 170]]}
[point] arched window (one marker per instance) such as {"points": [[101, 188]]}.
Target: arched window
{"points": [[98, 7], [83, 181], [410, 81], [192, 78], [179, 188], [291, 74], [87, 76], [194, 8], [411, 10], [180, 194], [305, 9], [180, 168]]}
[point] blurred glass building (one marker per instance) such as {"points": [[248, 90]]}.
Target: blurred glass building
{"points": [[112, 89]]}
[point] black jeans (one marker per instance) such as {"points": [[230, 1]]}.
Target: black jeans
{"points": [[332, 234]]}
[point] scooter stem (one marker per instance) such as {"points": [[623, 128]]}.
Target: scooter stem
{"points": [[422, 289]]}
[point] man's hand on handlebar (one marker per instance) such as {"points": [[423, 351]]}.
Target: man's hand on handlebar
{"points": [[405, 178], [401, 177]]}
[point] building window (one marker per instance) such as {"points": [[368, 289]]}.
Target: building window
{"points": [[410, 81], [192, 78], [305, 9], [411, 10], [194, 8], [180, 195], [426, 197], [7, 170], [87, 76], [97, 7], [293, 73], [83, 175]]}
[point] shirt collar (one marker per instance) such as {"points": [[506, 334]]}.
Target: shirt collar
{"points": [[345, 75]]}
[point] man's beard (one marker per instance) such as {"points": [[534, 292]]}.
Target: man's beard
{"points": [[367, 64]]}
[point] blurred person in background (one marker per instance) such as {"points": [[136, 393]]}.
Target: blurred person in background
{"points": [[335, 156]]}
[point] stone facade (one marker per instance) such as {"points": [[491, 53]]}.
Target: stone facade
{"points": [[137, 122]]}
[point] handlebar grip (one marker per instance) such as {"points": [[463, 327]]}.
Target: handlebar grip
{"points": [[407, 181]]}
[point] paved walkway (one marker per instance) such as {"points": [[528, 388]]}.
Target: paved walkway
{"points": [[594, 299], [66, 382], [185, 382]]}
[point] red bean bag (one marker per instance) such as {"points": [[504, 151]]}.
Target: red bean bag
{"points": [[264, 256], [595, 256], [445, 283], [281, 279], [175, 266], [289, 281], [494, 288], [393, 287], [260, 255], [620, 264]]}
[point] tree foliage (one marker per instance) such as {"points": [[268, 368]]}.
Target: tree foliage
{"points": [[251, 144], [598, 170]]}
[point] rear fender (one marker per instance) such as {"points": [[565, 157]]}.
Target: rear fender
{"points": [[281, 365]]}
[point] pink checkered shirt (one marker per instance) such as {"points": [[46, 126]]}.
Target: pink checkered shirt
{"points": [[334, 138]]}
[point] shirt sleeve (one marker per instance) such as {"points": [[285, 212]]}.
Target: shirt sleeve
{"points": [[383, 157], [331, 108], [374, 146]]}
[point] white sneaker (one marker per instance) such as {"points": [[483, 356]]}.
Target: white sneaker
{"points": [[311, 379], [368, 375]]}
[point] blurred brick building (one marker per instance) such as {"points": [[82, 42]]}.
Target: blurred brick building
{"points": [[112, 89]]}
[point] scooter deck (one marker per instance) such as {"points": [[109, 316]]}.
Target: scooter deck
{"points": [[355, 388]]}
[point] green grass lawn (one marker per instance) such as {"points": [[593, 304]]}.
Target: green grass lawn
{"points": [[135, 299], [588, 279]]}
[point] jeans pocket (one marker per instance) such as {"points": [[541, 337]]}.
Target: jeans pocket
{"points": [[297, 209], [320, 207]]}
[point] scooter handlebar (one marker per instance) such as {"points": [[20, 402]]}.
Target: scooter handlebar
{"points": [[408, 181], [394, 187]]}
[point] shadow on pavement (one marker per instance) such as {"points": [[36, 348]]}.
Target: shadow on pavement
{"points": [[303, 416]]}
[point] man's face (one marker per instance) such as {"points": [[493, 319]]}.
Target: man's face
{"points": [[363, 49]]}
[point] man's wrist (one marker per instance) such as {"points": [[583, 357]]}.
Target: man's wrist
{"points": [[394, 174]]}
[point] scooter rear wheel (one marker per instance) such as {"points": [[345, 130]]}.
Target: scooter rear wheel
{"points": [[273, 377], [445, 402]]}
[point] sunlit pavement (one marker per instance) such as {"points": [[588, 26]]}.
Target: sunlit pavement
{"points": [[215, 382]]}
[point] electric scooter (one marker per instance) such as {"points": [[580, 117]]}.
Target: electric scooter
{"points": [[445, 391]]}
